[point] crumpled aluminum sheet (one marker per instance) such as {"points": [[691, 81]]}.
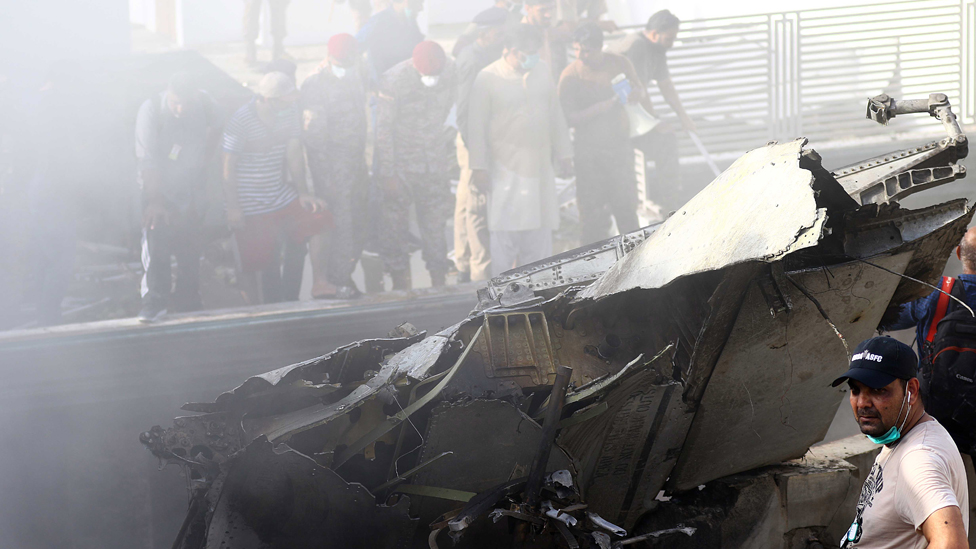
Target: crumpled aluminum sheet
{"points": [[718, 227]]}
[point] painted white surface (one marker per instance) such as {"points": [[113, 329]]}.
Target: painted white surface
{"points": [[36, 32], [143, 12], [309, 21], [314, 21]]}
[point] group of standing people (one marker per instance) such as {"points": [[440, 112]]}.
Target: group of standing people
{"points": [[514, 96], [518, 97]]}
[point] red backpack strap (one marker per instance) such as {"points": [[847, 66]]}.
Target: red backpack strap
{"points": [[941, 307]]}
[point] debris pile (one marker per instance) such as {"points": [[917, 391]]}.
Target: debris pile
{"points": [[583, 385]]}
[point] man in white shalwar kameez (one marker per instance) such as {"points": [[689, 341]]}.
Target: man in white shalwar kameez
{"points": [[517, 130]]}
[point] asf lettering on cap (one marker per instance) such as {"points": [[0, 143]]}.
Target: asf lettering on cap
{"points": [[866, 355]]}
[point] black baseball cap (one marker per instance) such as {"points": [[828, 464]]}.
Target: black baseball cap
{"points": [[878, 361]]}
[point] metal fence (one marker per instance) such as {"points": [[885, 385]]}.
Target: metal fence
{"points": [[749, 80]]}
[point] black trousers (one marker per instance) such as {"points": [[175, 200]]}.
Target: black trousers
{"points": [[252, 18], [180, 238], [664, 184], [606, 185], [283, 281]]}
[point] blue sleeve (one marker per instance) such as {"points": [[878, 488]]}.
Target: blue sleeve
{"points": [[915, 312], [906, 318], [366, 31]]}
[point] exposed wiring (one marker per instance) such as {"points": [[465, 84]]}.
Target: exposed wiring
{"points": [[961, 302], [396, 463]]}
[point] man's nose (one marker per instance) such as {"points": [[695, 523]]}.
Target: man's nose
{"points": [[861, 401]]}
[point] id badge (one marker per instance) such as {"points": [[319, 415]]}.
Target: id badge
{"points": [[174, 153]]}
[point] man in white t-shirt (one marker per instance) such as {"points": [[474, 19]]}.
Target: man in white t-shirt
{"points": [[913, 496]]}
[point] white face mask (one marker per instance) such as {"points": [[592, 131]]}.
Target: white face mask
{"points": [[430, 81], [339, 72]]}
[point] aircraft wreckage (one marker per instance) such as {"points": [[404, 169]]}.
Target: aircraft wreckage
{"points": [[586, 384]]}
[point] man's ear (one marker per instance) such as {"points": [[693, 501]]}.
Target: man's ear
{"points": [[959, 253], [913, 387]]}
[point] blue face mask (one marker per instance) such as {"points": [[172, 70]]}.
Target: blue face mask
{"points": [[530, 61], [894, 433]]}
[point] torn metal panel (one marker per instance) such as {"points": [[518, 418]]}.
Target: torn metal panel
{"points": [[283, 499], [866, 234], [948, 223], [613, 450], [769, 397], [895, 175], [281, 427], [492, 442], [700, 314], [718, 227], [329, 368], [747, 289], [517, 345], [551, 275], [385, 426]]}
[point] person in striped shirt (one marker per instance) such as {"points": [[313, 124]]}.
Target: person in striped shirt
{"points": [[272, 216]]}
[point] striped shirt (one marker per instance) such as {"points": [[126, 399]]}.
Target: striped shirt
{"points": [[261, 152]]}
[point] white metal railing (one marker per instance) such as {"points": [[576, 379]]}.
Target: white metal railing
{"points": [[752, 79]]}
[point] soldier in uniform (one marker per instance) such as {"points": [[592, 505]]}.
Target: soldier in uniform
{"points": [[334, 104], [412, 141]]}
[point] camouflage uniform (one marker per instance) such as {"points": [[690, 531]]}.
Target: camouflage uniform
{"points": [[412, 143], [335, 142]]}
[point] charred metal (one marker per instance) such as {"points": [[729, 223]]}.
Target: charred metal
{"points": [[584, 385]]}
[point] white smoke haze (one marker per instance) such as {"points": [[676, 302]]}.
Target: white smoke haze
{"points": [[73, 400]]}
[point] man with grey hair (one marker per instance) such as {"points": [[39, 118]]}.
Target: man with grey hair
{"points": [[945, 338], [176, 136], [272, 216], [920, 313]]}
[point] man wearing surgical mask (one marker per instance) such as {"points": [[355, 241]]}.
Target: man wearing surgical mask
{"points": [[916, 493], [516, 133], [412, 164], [334, 133]]}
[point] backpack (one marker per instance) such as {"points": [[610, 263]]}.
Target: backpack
{"points": [[948, 367]]}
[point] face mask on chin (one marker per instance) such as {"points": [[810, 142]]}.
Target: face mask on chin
{"points": [[895, 433], [430, 81], [339, 72]]}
